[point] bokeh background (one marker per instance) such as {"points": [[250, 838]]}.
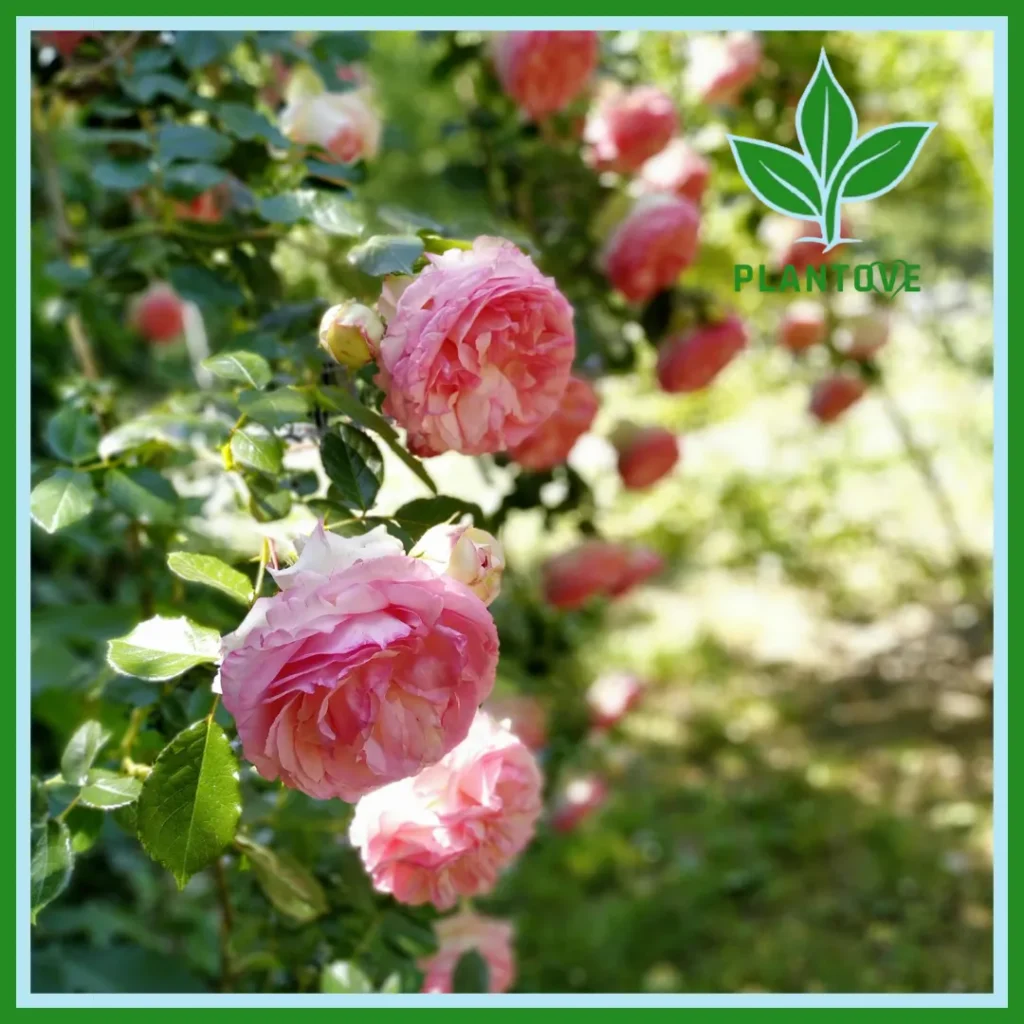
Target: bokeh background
{"points": [[802, 800]]}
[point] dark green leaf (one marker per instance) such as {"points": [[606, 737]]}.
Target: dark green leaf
{"points": [[274, 408], [420, 514], [267, 501], [145, 88], [62, 499], [778, 177], [255, 447], [341, 174], [85, 743], [471, 973], [284, 208], [85, 825], [162, 648], [286, 883], [107, 791], [387, 254], [40, 804], [190, 802], [206, 287], [244, 367], [52, 861], [353, 463], [248, 124], [68, 277], [122, 176], [143, 494], [73, 434], [191, 142], [198, 49], [194, 177], [212, 572], [344, 978]]}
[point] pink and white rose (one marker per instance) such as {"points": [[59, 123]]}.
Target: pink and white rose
{"points": [[679, 170], [472, 556], [627, 127], [612, 696], [344, 124], [720, 67]]}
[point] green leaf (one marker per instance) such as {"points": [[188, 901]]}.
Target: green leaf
{"points": [[51, 865], [244, 367], [162, 648], [267, 501], [353, 463], [39, 809], [175, 431], [336, 399], [145, 88], [274, 408], [85, 743], [344, 978], [286, 883], [255, 447], [122, 176], [198, 49], [283, 208], [471, 973], [211, 572], [777, 176], [420, 514], [331, 213], [66, 276], [190, 802], [85, 825], [62, 499], [248, 124], [392, 985], [387, 254], [107, 791], [73, 434], [880, 161], [143, 494], [194, 177], [340, 174], [826, 122], [208, 288], [191, 142]]}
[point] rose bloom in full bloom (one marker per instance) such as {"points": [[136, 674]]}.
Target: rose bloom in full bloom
{"points": [[692, 360], [465, 553], [803, 325], [344, 124], [525, 715], [550, 444], [580, 798], [679, 170], [449, 831], [367, 667], [477, 352], [596, 568], [831, 397], [456, 936], [721, 67], [612, 696], [652, 246], [544, 71], [627, 127], [645, 454]]}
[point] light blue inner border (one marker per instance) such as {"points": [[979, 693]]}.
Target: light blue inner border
{"points": [[23, 536]]}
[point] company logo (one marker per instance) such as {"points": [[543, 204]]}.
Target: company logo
{"points": [[834, 167]]}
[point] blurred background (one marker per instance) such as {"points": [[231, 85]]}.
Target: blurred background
{"points": [[800, 801]]}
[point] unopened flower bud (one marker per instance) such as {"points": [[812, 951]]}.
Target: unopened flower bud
{"points": [[350, 333], [471, 556]]}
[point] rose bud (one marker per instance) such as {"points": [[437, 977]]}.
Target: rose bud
{"points": [[459, 934], [655, 243], [466, 554], [544, 71], [578, 800], [350, 333], [691, 361], [721, 67], [641, 564], [627, 127], [158, 314], [525, 716], [344, 124], [646, 454], [802, 325], [205, 208], [596, 568], [860, 337], [834, 395], [611, 697], [679, 170], [550, 444]]}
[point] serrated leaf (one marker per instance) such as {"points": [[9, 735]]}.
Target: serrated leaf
{"points": [[73, 434], [286, 883], [777, 176], [471, 973], [194, 177], [106, 791], [244, 367], [257, 448], [826, 122], [336, 399], [143, 494], [247, 124], [85, 743], [190, 802], [274, 408], [387, 254], [122, 176], [353, 463], [52, 861], [62, 499], [880, 161], [420, 514], [344, 978], [211, 572], [162, 648], [191, 142]]}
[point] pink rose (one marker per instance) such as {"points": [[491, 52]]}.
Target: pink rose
{"points": [[860, 337], [612, 696], [691, 361], [596, 568], [721, 67], [366, 668], [472, 556], [544, 71], [478, 351], [834, 395], [449, 831], [344, 124], [525, 715], [158, 314], [803, 325], [625, 128], [459, 934], [579, 799], [549, 445], [646, 454], [650, 248], [679, 170]]}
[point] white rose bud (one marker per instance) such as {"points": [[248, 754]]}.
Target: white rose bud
{"points": [[466, 554], [350, 333]]}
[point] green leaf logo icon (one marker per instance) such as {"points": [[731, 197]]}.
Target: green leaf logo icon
{"points": [[835, 166]]}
